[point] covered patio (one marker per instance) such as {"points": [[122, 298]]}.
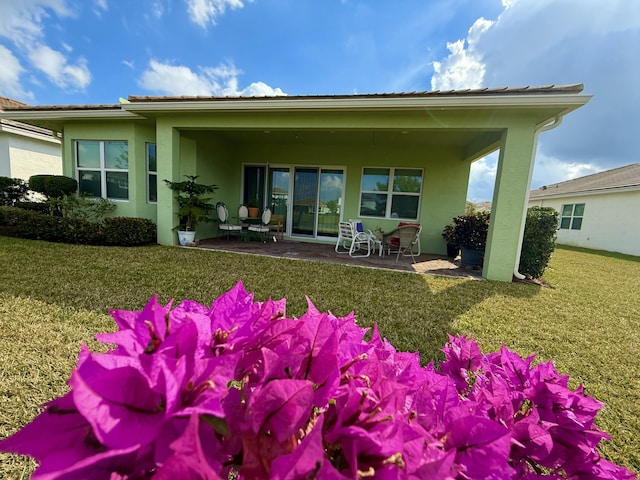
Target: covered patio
{"points": [[324, 252]]}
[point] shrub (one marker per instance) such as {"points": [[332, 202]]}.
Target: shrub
{"points": [[238, 390], [92, 209], [128, 231], [468, 231], [40, 226], [53, 186], [539, 240], [41, 207], [12, 190]]}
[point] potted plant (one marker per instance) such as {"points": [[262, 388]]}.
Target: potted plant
{"points": [[449, 236], [469, 233], [194, 206], [254, 207]]}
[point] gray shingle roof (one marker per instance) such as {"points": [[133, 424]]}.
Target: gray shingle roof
{"points": [[617, 178]]}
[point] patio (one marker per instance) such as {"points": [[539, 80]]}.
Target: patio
{"points": [[324, 252]]}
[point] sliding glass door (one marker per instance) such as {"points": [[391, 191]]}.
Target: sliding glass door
{"points": [[309, 198]]}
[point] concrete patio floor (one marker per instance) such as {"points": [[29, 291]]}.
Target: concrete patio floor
{"points": [[324, 252]]}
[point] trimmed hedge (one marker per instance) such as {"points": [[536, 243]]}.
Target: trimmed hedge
{"points": [[129, 231], [122, 231], [53, 186], [539, 240], [12, 190]]}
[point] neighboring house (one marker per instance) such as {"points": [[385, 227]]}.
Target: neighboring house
{"points": [[27, 150], [598, 211], [381, 157]]}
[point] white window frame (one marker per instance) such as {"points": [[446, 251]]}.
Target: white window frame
{"points": [[149, 172], [102, 168], [390, 193]]}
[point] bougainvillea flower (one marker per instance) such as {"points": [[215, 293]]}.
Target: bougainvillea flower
{"points": [[201, 392]]}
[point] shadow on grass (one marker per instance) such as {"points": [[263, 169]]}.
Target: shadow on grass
{"points": [[414, 312]]}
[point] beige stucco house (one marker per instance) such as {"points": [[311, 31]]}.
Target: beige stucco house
{"points": [[381, 158], [598, 211], [25, 149]]}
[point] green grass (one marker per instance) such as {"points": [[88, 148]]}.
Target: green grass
{"points": [[54, 297]]}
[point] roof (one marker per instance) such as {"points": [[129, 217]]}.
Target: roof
{"points": [[482, 92], [528, 90], [19, 128], [622, 178]]}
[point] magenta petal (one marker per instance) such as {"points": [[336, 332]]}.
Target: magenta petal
{"points": [[305, 460], [282, 406]]}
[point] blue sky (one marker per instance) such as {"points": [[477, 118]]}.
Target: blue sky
{"points": [[94, 51]]}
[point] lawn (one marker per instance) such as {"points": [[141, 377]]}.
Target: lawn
{"points": [[54, 297]]}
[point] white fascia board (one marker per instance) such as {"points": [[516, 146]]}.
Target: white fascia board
{"points": [[25, 132], [61, 115], [569, 102]]}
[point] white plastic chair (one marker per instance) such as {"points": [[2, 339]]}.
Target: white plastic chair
{"points": [[352, 241], [263, 228], [223, 221]]}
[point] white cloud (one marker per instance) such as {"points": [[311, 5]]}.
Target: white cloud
{"points": [[22, 23], [222, 80], [102, 4], [482, 179], [546, 42], [55, 66], [205, 12], [463, 68], [10, 72]]}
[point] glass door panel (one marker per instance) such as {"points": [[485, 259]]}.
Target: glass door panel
{"points": [[278, 193], [305, 201], [330, 204]]}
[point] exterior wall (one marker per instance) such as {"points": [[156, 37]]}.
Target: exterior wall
{"points": [[136, 135], [24, 156], [609, 222], [445, 178]]}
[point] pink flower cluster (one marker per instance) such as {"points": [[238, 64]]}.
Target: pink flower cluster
{"points": [[240, 389]]}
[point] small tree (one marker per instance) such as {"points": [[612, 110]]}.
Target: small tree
{"points": [[194, 206], [539, 240], [53, 186]]}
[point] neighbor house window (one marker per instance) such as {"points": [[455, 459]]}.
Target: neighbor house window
{"points": [[390, 192], [103, 168], [572, 214], [152, 174]]}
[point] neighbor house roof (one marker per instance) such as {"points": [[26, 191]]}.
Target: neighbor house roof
{"points": [[622, 178], [19, 128]]}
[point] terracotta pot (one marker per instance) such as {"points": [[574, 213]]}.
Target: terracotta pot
{"points": [[254, 212]]}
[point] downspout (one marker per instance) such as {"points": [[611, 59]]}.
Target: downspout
{"points": [[557, 120]]}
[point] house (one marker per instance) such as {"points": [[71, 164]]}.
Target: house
{"points": [[381, 158], [25, 149], [598, 211]]}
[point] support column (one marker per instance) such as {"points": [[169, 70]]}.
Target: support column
{"points": [[168, 153], [513, 179]]}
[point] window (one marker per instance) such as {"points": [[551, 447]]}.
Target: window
{"points": [[390, 192], [103, 168], [572, 216], [152, 174]]}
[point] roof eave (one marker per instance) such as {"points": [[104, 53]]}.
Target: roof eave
{"points": [[565, 102]]}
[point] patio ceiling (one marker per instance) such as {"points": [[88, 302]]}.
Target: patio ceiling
{"points": [[469, 142]]}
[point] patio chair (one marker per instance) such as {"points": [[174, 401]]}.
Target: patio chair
{"points": [[402, 240], [263, 227], [223, 221], [277, 225], [351, 240], [243, 214]]}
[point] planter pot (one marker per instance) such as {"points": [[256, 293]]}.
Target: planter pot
{"points": [[470, 258], [254, 212], [452, 250], [186, 238]]}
